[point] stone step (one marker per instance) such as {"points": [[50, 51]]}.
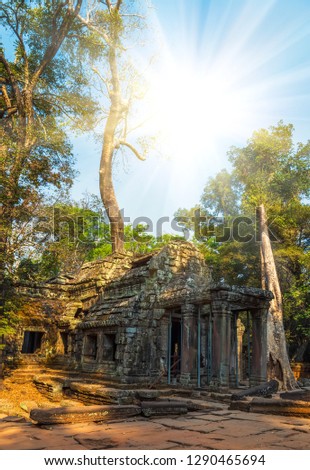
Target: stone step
{"points": [[303, 395], [83, 414], [276, 406], [54, 387], [96, 393], [163, 408], [280, 407]]}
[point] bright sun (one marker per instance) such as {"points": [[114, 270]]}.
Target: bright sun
{"points": [[218, 78], [192, 109]]}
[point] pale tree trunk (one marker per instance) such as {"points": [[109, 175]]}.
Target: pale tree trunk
{"points": [[108, 194], [115, 132], [278, 366], [109, 146]]}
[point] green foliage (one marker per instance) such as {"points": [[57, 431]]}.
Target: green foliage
{"points": [[297, 311], [45, 93], [9, 317], [272, 170], [221, 195]]}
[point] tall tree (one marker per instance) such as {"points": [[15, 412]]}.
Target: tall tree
{"points": [[274, 175], [112, 23], [41, 87]]}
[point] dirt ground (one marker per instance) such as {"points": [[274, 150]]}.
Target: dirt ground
{"points": [[214, 428]]}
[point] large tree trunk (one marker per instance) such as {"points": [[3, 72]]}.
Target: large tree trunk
{"points": [[109, 146], [108, 194], [278, 366]]}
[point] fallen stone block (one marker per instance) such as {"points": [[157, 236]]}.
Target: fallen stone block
{"points": [[303, 395], [98, 394], [264, 390], [14, 419], [280, 407], [52, 389], [83, 414], [241, 405], [147, 394], [163, 408]]}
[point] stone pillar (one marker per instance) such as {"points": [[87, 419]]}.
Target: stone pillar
{"points": [[164, 353], [233, 368], [189, 344], [240, 333], [259, 347], [221, 343]]}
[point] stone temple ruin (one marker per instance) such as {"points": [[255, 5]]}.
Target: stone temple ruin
{"points": [[154, 319]]}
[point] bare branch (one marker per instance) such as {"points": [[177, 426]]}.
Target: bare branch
{"points": [[15, 29], [131, 147], [118, 4], [108, 4], [92, 27], [104, 80], [133, 15], [137, 126]]}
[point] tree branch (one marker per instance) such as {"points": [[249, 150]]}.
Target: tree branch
{"points": [[108, 4], [118, 4], [91, 26], [133, 15], [56, 40], [12, 80], [6, 97], [15, 28], [131, 147], [104, 80]]}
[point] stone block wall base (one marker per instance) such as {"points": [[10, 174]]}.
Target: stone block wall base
{"points": [[257, 380], [185, 378]]}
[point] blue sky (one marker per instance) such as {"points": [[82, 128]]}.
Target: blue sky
{"points": [[259, 54]]}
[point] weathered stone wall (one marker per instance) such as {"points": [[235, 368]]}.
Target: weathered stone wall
{"points": [[113, 317], [131, 304]]}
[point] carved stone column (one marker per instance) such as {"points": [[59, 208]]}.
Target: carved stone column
{"points": [[221, 343], [164, 341], [234, 366], [259, 347], [189, 344], [240, 333]]}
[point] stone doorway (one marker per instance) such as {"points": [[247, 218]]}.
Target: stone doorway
{"points": [[174, 347], [64, 336], [32, 341]]}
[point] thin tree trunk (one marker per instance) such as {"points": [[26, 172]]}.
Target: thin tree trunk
{"points": [[278, 366]]}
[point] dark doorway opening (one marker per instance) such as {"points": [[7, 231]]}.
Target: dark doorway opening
{"points": [[64, 338], [32, 342], [90, 348], [176, 345], [109, 347]]}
